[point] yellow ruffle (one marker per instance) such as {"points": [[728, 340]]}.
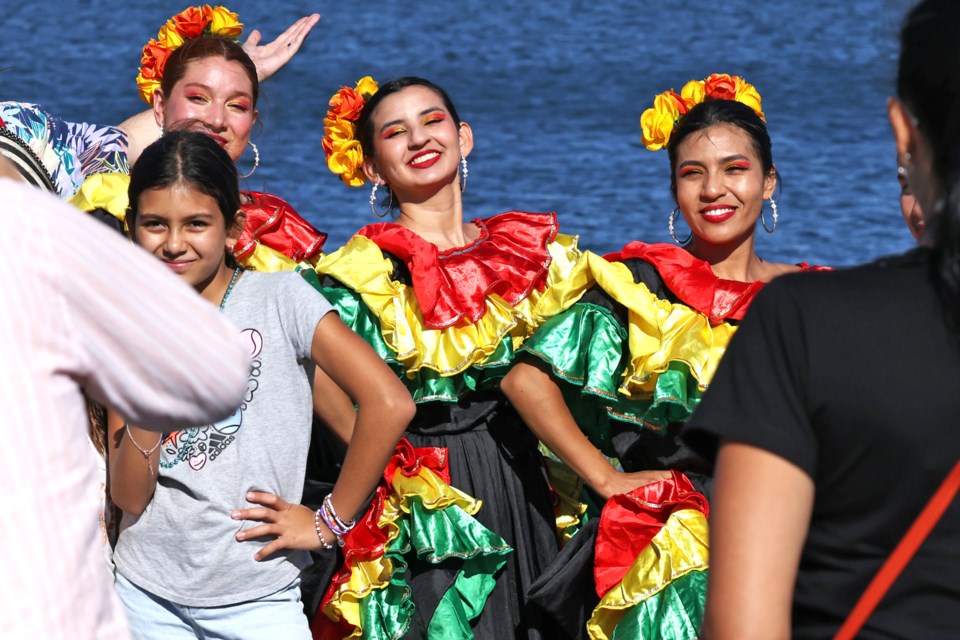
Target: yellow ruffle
{"points": [[361, 266], [678, 548], [659, 331], [107, 191], [372, 574], [567, 486]]}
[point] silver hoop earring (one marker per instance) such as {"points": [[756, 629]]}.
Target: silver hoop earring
{"points": [[673, 217], [256, 160], [463, 174], [161, 131], [773, 207], [373, 202]]}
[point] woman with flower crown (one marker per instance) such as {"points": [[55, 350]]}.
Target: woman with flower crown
{"points": [[464, 519], [607, 392], [194, 74]]}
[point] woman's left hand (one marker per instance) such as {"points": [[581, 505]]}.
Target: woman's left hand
{"points": [[270, 58], [291, 525]]}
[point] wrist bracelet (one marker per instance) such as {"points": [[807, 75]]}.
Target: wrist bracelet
{"points": [[316, 524], [335, 522]]}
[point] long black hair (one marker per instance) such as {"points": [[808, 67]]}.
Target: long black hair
{"points": [[189, 158], [928, 82]]}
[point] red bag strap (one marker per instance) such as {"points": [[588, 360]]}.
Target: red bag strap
{"points": [[901, 555]]}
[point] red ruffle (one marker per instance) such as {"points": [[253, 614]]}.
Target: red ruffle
{"points": [[274, 223], [629, 521], [693, 281], [510, 259], [366, 540]]}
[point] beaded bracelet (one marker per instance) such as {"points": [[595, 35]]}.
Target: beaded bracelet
{"points": [[316, 524], [335, 522], [144, 452]]}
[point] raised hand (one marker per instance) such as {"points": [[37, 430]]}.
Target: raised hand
{"points": [[270, 58]]}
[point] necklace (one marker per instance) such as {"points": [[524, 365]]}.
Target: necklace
{"points": [[233, 281]]}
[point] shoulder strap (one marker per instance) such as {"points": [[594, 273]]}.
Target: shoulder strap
{"points": [[901, 555]]}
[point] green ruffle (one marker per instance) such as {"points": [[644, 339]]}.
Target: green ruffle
{"points": [[426, 385], [587, 348], [675, 613], [435, 536]]}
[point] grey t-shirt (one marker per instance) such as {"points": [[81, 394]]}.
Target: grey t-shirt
{"points": [[182, 547]]}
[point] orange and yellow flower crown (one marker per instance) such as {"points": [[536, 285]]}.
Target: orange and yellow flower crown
{"points": [[188, 24], [658, 122], [340, 144]]}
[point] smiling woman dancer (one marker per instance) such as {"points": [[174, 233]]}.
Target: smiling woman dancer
{"points": [[445, 302], [616, 376]]}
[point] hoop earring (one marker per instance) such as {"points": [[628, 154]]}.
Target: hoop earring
{"points": [[673, 217], [161, 131], [373, 201], [773, 207], [463, 174], [256, 160]]}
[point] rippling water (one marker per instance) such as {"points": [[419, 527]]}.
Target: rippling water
{"points": [[554, 93]]}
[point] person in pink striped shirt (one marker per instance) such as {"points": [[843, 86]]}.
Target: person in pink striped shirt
{"points": [[84, 311]]}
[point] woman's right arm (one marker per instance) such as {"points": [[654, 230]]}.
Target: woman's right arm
{"points": [[133, 474], [538, 399]]}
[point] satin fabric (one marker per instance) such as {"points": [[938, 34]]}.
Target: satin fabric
{"points": [[648, 542], [414, 511], [271, 221], [361, 266], [509, 259], [692, 280]]}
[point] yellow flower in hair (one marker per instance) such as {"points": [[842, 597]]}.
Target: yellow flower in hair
{"points": [[169, 36], [657, 123], [223, 22], [343, 150], [366, 87], [692, 93], [748, 95], [189, 23], [345, 158]]}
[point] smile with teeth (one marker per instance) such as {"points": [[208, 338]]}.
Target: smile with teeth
{"points": [[717, 214], [425, 159]]}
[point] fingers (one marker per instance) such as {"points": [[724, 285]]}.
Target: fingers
{"points": [[259, 531], [255, 513], [269, 550], [252, 40], [268, 500]]}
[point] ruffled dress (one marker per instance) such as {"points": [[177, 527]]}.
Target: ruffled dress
{"points": [[464, 521], [634, 356]]}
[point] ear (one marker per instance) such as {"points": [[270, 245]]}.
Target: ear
{"points": [[466, 139], [904, 127], [770, 183], [236, 229], [370, 168], [157, 107]]}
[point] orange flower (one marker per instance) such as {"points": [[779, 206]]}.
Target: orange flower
{"points": [[720, 86], [346, 103], [190, 22]]}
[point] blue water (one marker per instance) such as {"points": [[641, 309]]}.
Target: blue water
{"points": [[554, 92]]}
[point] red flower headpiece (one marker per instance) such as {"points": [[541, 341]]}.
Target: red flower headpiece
{"points": [[340, 144]]}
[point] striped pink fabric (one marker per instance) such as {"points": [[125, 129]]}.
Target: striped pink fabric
{"points": [[80, 307]]}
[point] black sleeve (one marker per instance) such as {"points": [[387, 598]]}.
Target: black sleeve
{"points": [[758, 395]]}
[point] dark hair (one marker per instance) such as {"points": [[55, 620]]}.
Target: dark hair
{"points": [[202, 47], [714, 112], [365, 133], [188, 158], [928, 82]]}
